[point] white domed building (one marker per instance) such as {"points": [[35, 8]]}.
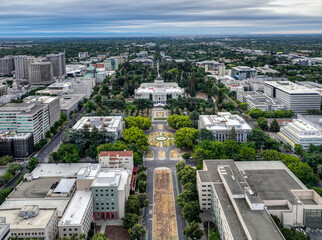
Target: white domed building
{"points": [[159, 91]]}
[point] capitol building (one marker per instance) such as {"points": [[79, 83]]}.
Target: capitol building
{"points": [[159, 90]]}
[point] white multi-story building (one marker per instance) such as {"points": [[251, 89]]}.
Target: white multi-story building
{"points": [[78, 216], [301, 132], [83, 55], [69, 103], [295, 97], [242, 196], [25, 117], [57, 88], [52, 103], [116, 159], [4, 229], [259, 100], [32, 222], [113, 124], [222, 124], [83, 85], [242, 72], [159, 91]]}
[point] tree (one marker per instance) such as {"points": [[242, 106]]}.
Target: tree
{"points": [[142, 186], [7, 177], [194, 116], [130, 220], [143, 123], [32, 164], [186, 196], [258, 136], [298, 149], [5, 160], [193, 231], [243, 106], [262, 123], [144, 199], [13, 168], [142, 176], [232, 134], [137, 136], [143, 103], [186, 137], [191, 211], [205, 134], [69, 153], [247, 154], [132, 205], [63, 116], [179, 121], [187, 174], [291, 235], [287, 147], [274, 126], [180, 165], [270, 155], [136, 231], [99, 236]]}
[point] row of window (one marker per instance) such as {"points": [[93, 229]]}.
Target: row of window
{"points": [[105, 194], [106, 190], [28, 234]]}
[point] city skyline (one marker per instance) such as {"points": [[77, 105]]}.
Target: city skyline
{"points": [[146, 18]]}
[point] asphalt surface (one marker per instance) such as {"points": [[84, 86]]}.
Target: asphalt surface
{"points": [[43, 154], [147, 220]]}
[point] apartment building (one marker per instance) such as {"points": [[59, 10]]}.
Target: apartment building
{"points": [[116, 159], [25, 118], [7, 65], [222, 124], [295, 97]]}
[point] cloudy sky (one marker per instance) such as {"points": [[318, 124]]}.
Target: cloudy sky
{"points": [[158, 17]]}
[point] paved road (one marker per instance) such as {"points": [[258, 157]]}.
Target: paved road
{"points": [[147, 220], [43, 154]]}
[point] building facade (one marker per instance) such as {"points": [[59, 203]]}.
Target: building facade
{"points": [[222, 124], [18, 145], [116, 159], [59, 64], [259, 100], [300, 132], [41, 73], [69, 103], [295, 97], [7, 65], [159, 91], [83, 85], [242, 72]]}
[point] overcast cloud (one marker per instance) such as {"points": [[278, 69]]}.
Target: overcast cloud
{"points": [[161, 17]]}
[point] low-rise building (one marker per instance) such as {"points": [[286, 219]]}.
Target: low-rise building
{"points": [[100, 76], [223, 123], [110, 191], [69, 103], [32, 222], [58, 88], [300, 131], [4, 229], [144, 61], [83, 85], [116, 159], [259, 100], [243, 195], [18, 145], [3, 90], [113, 124], [242, 72], [78, 216]]}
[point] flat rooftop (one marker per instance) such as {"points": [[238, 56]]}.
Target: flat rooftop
{"points": [[67, 101], [16, 222], [292, 88], [37, 188], [77, 208], [110, 123], [61, 170], [59, 203]]}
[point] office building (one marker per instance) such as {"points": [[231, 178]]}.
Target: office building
{"points": [[41, 73], [100, 76], [242, 72], [51, 102], [18, 145], [7, 65], [22, 64], [78, 216], [159, 91], [300, 131], [259, 100], [211, 65], [295, 97], [83, 85], [111, 63], [58, 88], [110, 191], [59, 64], [116, 159], [4, 229], [31, 222], [112, 124], [25, 118], [69, 103], [222, 124], [83, 55], [143, 61], [243, 195]]}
